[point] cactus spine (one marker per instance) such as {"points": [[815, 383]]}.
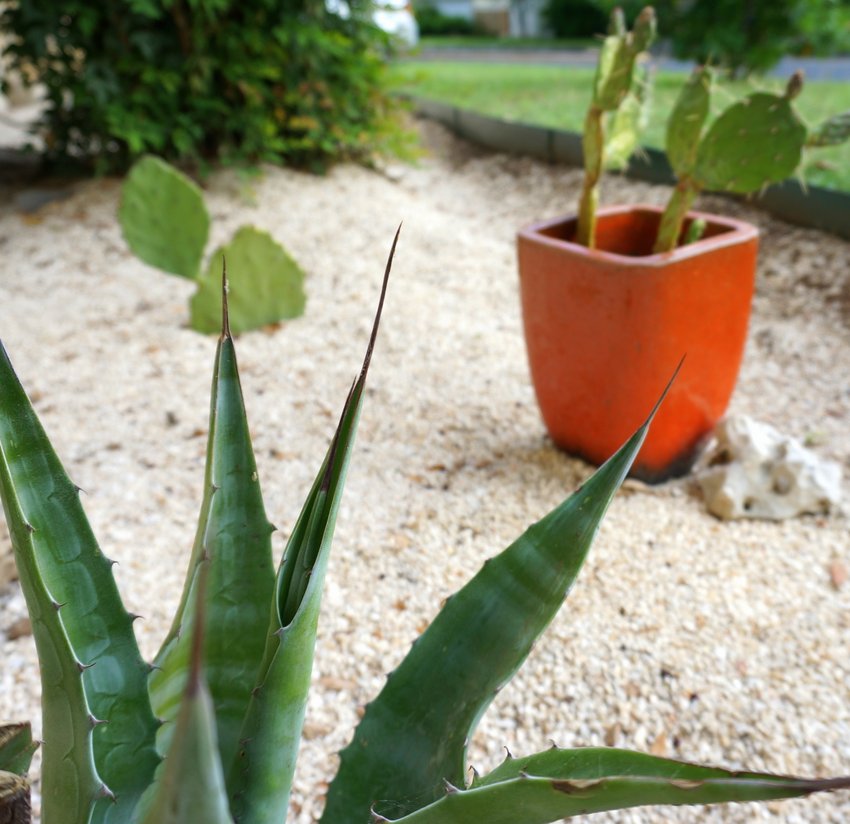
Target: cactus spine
{"points": [[612, 89]]}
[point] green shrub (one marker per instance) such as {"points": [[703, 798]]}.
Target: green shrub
{"points": [[433, 22], [740, 37], [574, 18], [208, 80]]}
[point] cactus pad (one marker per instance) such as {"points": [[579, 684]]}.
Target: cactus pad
{"points": [[629, 121], [753, 143], [686, 121], [266, 285], [163, 218]]}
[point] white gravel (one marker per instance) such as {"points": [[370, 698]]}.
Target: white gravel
{"points": [[727, 643]]}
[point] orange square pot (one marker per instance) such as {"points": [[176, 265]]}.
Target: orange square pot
{"points": [[605, 329]]}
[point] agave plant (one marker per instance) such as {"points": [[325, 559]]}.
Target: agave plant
{"points": [[210, 732]]}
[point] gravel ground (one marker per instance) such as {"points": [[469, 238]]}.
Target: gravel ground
{"points": [[722, 642]]}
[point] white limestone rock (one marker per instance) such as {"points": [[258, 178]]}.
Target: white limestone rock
{"points": [[753, 471]]}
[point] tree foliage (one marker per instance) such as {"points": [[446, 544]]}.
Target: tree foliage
{"points": [[197, 81]]}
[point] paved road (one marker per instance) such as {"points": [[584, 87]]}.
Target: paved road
{"points": [[815, 68]]}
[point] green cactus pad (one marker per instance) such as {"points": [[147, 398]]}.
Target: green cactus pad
{"points": [[163, 218], [686, 121], [629, 122], [613, 74], [266, 285], [753, 143]]}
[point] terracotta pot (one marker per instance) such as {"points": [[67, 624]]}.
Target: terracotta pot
{"points": [[606, 328]]}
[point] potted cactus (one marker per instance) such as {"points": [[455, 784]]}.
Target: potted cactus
{"points": [[629, 290]]}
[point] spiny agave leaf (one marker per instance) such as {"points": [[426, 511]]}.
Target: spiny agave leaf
{"points": [[562, 783], [191, 787], [266, 285], [70, 784], [91, 668], [413, 736], [262, 772], [755, 142], [686, 121], [235, 535], [833, 131], [14, 799], [163, 217], [16, 748]]}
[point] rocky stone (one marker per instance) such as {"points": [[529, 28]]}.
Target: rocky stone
{"points": [[753, 471]]}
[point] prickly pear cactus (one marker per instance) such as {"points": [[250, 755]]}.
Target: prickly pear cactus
{"points": [[617, 58], [163, 217], [615, 90], [266, 283], [686, 122], [755, 142], [166, 223], [629, 121]]}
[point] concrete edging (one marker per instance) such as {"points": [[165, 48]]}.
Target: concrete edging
{"points": [[813, 206]]}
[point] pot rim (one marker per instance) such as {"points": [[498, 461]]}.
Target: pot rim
{"points": [[737, 232]]}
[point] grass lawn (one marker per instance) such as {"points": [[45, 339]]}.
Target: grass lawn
{"points": [[558, 96], [477, 41]]}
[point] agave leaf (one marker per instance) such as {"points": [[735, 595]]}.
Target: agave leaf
{"points": [[266, 285], [262, 772], [14, 799], [413, 736], [191, 785], [559, 784], [71, 784], [235, 535], [16, 748], [163, 217], [91, 668]]}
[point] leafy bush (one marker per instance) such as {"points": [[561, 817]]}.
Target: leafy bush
{"points": [[226, 80], [574, 18], [741, 37], [825, 28], [433, 22]]}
